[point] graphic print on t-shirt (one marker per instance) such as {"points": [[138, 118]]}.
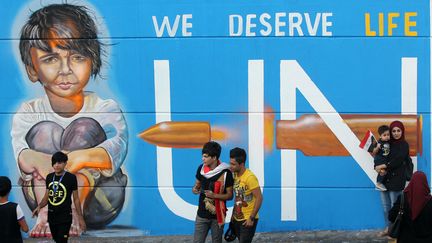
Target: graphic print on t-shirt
{"points": [[239, 200], [244, 198], [56, 193], [386, 149]]}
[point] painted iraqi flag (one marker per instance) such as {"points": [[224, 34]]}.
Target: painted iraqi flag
{"points": [[368, 142]]}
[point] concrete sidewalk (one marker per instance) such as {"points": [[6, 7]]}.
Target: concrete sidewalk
{"points": [[292, 236]]}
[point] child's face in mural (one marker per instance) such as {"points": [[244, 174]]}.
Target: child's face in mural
{"points": [[63, 73], [385, 136], [397, 133]]}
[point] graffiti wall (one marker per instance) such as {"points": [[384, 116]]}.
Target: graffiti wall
{"points": [[131, 90]]}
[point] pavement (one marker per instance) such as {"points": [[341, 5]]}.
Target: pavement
{"points": [[329, 236]]}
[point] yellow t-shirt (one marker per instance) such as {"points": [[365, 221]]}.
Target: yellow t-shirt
{"points": [[244, 200]]}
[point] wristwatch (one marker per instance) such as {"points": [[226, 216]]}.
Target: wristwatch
{"points": [[251, 218]]}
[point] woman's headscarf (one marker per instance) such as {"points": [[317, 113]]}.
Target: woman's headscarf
{"points": [[402, 128], [417, 193]]}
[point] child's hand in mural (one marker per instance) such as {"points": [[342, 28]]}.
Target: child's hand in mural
{"points": [[42, 170], [88, 158], [78, 225], [35, 163]]}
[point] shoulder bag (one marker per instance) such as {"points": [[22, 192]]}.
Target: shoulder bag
{"points": [[230, 234], [409, 168], [395, 227]]}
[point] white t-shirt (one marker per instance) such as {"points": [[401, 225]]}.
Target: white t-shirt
{"points": [[106, 112]]}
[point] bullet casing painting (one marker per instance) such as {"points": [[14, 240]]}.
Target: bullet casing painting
{"points": [[131, 90]]}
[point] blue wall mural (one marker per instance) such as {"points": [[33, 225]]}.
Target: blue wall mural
{"points": [[297, 84]]}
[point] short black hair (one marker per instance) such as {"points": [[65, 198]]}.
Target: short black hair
{"points": [[5, 186], [238, 154], [382, 129], [67, 26], [59, 157], [212, 148]]}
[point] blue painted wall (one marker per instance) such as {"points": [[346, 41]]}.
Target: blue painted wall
{"points": [[208, 69]]}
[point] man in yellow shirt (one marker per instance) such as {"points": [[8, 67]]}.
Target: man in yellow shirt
{"points": [[248, 197]]}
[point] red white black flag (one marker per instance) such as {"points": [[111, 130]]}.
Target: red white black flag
{"points": [[368, 142]]}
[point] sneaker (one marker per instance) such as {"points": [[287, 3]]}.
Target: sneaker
{"points": [[381, 187], [383, 233]]}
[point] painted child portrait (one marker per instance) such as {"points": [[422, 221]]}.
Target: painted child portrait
{"points": [[61, 52]]}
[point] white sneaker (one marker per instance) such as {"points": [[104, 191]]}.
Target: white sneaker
{"points": [[380, 187]]}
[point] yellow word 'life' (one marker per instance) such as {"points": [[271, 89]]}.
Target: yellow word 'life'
{"points": [[391, 24]]}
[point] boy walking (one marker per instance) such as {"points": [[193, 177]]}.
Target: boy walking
{"points": [[248, 197], [214, 184], [12, 217], [60, 186]]}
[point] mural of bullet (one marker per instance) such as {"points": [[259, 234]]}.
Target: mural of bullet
{"points": [[312, 136], [178, 134]]}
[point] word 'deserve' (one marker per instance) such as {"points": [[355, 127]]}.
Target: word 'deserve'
{"points": [[281, 24]]}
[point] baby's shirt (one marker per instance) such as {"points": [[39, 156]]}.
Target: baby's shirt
{"points": [[382, 154]]}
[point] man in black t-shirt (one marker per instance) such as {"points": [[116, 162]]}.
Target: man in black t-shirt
{"points": [[214, 182], [60, 186]]}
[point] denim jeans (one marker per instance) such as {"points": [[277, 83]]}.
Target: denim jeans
{"points": [[388, 198], [202, 226]]}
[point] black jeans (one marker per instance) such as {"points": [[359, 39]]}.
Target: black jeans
{"points": [[60, 232], [244, 234]]}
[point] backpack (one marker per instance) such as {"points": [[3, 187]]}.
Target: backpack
{"points": [[409, 168]]}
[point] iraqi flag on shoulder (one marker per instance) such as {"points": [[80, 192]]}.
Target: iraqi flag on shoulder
{"points": [[368, 142]]}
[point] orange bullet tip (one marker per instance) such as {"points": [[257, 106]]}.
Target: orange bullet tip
{"points": [[178, 134]]}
